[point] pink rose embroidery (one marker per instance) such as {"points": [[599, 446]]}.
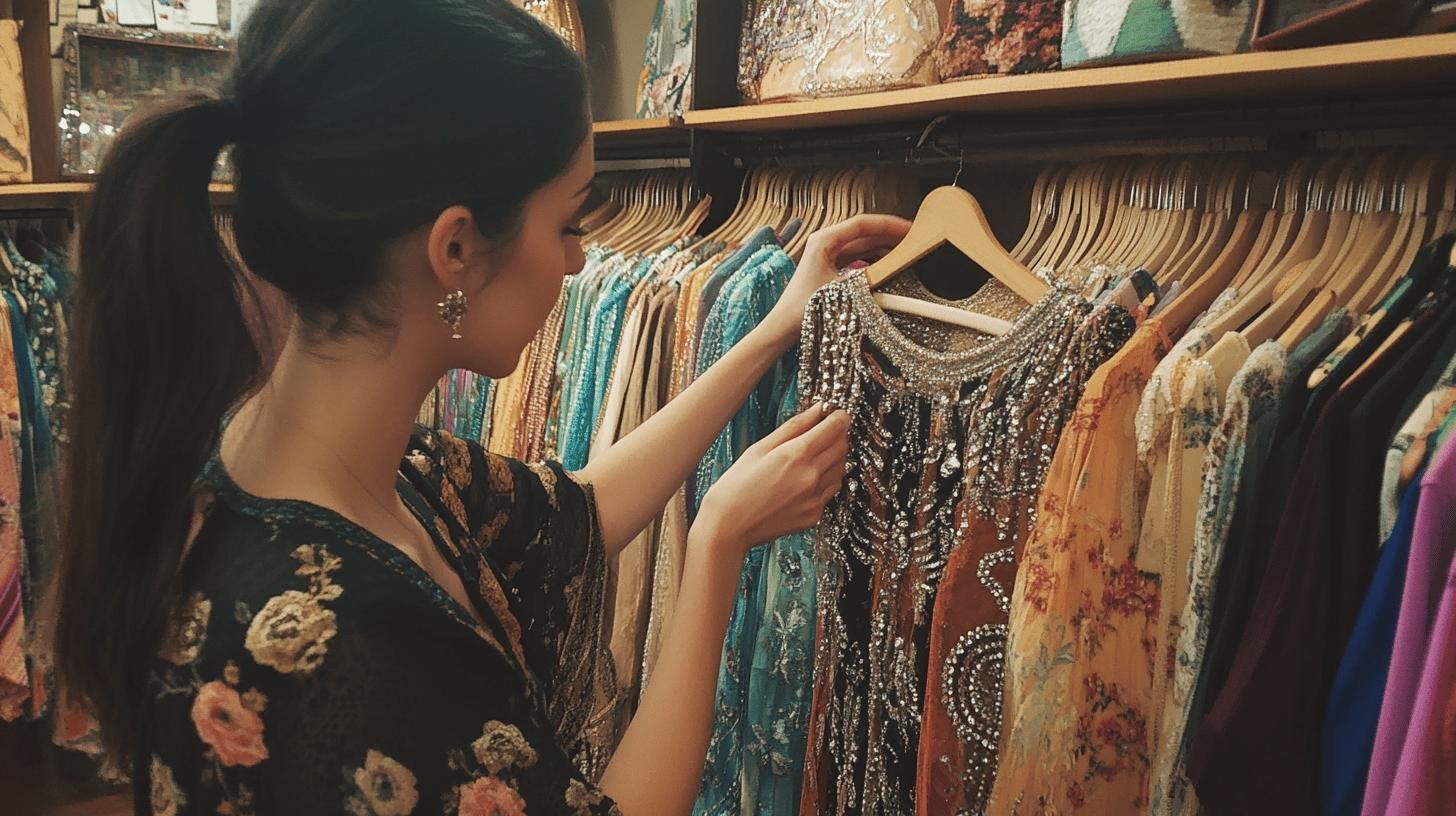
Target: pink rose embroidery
{"points": [[223, 722], [489, 796]]}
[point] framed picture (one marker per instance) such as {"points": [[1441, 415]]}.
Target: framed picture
{"points": [[111, 73]]}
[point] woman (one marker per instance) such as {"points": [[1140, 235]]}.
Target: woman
{"points": [[276, 613]]}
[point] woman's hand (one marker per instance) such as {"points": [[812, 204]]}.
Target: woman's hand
{"points": [[778, 486], [828, 251]]}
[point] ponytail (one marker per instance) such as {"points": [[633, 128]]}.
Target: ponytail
{"points": [[335, 160], [161, 351]]}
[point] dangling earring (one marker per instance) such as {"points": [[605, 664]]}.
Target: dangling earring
{"points": [[452, 309]]}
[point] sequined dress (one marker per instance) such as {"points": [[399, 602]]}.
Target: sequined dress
{"points": [[939, 439]]}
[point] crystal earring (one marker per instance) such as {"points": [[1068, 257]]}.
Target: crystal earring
{"points": [[452, 310]]}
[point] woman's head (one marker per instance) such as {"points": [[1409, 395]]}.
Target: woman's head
{"points": [[385, 156], [365, 125]]}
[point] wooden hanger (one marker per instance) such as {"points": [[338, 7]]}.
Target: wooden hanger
{"points": [[1218, 220], [1200, 214], [1141, 220], [1094, 213], [1421, 197], [624, 192], [1293, 200], [1041, 214], [1252, 229], [950, 215], [1374, 315], [1310, 260], [1264, 285], [1116, 190], [1068, 212]]}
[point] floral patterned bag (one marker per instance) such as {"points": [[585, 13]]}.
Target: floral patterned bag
{"points": [[1120, 31], [1000, 37], [665, 88]]}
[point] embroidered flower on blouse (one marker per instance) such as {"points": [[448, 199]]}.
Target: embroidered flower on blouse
{"points": [[167, 798], [488, 796], [383, 787], [189, 631], [503, 747], [292, 632], [234, 731], [580, 798]]}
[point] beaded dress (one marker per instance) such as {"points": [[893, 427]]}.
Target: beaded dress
{"points": [[945, 436]]}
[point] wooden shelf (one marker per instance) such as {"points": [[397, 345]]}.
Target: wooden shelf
{"points": [[64, 195], [640, 138], [635, 126], [1338, 72]]}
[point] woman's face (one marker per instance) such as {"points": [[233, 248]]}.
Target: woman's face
{"points": [[524, 278]]}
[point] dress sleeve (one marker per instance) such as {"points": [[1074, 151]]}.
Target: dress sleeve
{"points": [[537, 525], [323, 699]]}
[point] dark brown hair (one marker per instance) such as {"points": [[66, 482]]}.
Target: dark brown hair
{"points": [[352, 123]]}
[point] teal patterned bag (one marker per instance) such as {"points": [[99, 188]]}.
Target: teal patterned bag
{"points": [[665, 88], [1103, 32]]}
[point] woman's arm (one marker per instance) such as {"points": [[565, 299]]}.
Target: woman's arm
{"points": [[778, 486], [634, 478]]}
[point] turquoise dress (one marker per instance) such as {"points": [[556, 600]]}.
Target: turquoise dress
{"points": [[781, 678], [747, 712]]}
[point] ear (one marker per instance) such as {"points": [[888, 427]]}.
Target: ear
{"points": [[456, 249]]}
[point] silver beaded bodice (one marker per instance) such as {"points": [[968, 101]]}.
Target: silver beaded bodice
{"points": [[946, 435]]}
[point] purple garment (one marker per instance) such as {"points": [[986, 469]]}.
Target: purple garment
{"points": [[1419, 777], [1432, 545]]}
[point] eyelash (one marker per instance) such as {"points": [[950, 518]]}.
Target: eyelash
{"points": [[575, 231]]}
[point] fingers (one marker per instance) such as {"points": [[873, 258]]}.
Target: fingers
{"points": [[863, 236], [885, 227], [795, 426], [832, 455], [831, 432], [870, 248]]}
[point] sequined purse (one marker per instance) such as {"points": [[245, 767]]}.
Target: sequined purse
{"points": [[799, 49], [1103, 32], [984, 38], [562, 16]]}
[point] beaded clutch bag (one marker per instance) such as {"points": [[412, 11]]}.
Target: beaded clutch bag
{"points": [[797, 49]]}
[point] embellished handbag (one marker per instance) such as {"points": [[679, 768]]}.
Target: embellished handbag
{"points": [[1000, 37], [1119, 31], [562, 16], [15, 164], [797, 49]]}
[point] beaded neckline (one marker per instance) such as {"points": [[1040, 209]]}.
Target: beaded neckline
{"points": [[948, 367]]}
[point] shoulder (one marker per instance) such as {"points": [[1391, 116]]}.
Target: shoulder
{"points": [[482, 489]]}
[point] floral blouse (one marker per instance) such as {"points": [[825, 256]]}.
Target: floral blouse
{"points": [[314, 668]]}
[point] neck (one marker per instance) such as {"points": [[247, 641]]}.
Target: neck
{"points": [[324, 428]]}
